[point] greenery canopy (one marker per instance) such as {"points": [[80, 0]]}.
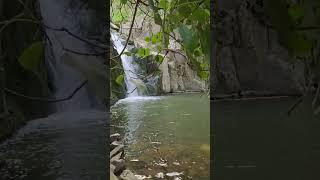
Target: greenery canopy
{"points": [[191, 18]]}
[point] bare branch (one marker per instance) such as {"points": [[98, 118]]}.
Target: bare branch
{"points": [[12, 92], [85, 54], [104, 47], [130, 31]]}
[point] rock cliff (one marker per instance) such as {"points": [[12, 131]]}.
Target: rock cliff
{"points": [[247, 55]]}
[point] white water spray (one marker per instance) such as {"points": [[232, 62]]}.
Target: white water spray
{"points": [[128, 66]]}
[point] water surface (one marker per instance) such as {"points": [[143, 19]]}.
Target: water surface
{"points": [[258, 137], [64, 146], [165, 134]]}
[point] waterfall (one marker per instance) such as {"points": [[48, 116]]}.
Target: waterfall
{"points": [[131, 78], [82, 21]]}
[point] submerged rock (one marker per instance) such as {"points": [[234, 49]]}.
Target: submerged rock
{"points": [[174, 174], [143, 176], [176, 163], [162, 164], [128, 175], [159, 175], [134, 160]]}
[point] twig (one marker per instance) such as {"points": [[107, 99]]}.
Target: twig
{"points": [[7, 90], [75, 36], [298, 102], [85, 54], [176, 51], [132, 91], [130, 31], [316, 96]]}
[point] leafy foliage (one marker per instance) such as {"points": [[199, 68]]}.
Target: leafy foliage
{"points": [[298, 26], [190, 18], [31, 57], [120, 79], [288, 19]]}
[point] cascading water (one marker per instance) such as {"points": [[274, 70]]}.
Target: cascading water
{"points": [[71, 142], [128, 66], [76, 18]]}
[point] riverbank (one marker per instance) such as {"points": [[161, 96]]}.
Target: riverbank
{"points": [[117, 160]]}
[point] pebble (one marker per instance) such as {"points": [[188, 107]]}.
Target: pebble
{"points": [[176, 163], [155, 142], [162, 164], [174, 174], [143, 176], [159, 175]]}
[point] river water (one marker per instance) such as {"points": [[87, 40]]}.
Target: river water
{"points": [[165, 134], [64, 146], [257, 139]]}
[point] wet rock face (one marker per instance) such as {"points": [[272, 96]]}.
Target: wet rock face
{"points": [[177, 75], [248, 56]]}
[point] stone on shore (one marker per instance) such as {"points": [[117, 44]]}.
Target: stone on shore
{"points": [[128, 175]]}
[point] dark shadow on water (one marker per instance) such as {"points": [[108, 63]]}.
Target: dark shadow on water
{"points": [[66, 146], [258, 140]]}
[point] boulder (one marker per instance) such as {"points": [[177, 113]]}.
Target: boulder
{"points": [[128, 175]]}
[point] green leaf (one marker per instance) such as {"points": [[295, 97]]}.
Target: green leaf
{"points": [[197, 52], [143, 52], [147, 39], [159, 59], [164, 4], [204, 75], [298, 44], [159, 48], [140, 52], [147, 52], [154, 39], [200, 15], [157, 19], [128, 53], [123, 1], [120, 79], [189, 38], [296, 11], [31, 57]]}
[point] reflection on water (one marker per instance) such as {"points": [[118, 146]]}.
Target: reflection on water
{"points": [[257, 137], [168, 135], [66, 146]]}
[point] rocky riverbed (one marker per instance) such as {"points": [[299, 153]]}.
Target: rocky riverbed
{"points": [[117, 163], [153, 132]]}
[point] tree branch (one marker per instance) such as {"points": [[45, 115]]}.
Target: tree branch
{"points": [[76, 36], [12, 92], [130, 31]]}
